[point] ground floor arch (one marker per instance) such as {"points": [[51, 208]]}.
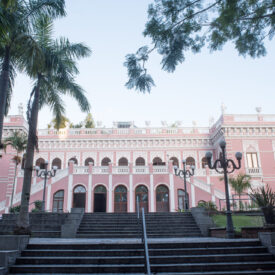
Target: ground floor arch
{"points": [[162, 198], [120, 201], [141, 194], [79, 197], [100, 194]]}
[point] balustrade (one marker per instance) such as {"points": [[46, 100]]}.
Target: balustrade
{"points": [[254, 171]]}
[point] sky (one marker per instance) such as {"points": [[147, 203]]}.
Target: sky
{"points": [[194, 92]]}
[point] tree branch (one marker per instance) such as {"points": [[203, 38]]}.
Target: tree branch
{"points": [[196, 13]]}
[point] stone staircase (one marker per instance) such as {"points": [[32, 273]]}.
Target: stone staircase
{"points": [[42, 224], [124, 225], [191, 256]]}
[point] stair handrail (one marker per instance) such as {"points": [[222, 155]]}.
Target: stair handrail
{"points": [[143, 234], [145, 244]]}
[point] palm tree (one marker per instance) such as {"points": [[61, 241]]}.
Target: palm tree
{"points": [[17, 141], [16, 18], [240, 184], [53, 74]]}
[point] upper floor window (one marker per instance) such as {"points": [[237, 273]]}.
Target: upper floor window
{"points": [[252, 160], [190, 161], [123, 162], [204, 162]]}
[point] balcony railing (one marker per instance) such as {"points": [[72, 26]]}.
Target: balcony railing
{"points": [[118, 131], [254, 171]]}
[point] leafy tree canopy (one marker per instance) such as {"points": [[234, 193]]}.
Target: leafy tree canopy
{"points": [[62, 124], [178, 26]]}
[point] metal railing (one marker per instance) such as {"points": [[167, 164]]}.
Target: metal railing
{"points": [[147, 268]]}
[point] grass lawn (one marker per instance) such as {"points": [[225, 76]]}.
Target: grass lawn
{"points": [[239, 221]]}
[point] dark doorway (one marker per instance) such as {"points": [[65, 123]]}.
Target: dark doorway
{"points": [[120, 199], [100, 202], [100, 199], [79, 200], [142, 195], [162, 199]]}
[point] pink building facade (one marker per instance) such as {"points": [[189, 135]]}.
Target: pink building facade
{"points": [[105, 169]]}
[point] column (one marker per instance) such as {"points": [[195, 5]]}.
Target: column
{"points": [[172, 193], [131, 193], [193, 194], [90, 182], [110, 193], [49, 191], [89, 193], [70, 193], [110, 204], [152, 201]]}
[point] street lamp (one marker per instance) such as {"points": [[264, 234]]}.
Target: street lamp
{"points": [[228, 166], [185, 173], [45, 174]]}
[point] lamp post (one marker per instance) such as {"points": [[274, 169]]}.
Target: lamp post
{"points": [[228, 166], [45, 174], [185, 173]]}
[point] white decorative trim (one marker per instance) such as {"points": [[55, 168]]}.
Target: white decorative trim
{"points": [[121, 183]]}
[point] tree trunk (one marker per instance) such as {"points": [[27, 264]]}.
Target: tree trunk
{"points": [[14, 179], [23, 219], [4, 84], [239, 202]]}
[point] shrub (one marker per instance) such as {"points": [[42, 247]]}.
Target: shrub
{"points": [[15, 209], [264, 197], [38, 205], [208, 205]]}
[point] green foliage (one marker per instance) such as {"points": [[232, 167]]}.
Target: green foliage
{"points": [[37, 206], [18, 141], [15, 209], [239, 221], [263, 196], [89, 121], [240, 183], [208, 205], [61, 125], [178, 26]]}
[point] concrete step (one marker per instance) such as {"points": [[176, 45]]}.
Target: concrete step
{"points": [[167, 259], [140, 251]]}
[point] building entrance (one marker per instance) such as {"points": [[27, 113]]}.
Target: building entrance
{"points": [[162, 199], [79, 200], [100, 199]]}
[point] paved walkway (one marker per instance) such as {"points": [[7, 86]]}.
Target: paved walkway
{"points": [[118, 241]]}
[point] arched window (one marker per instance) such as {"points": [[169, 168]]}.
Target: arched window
{"points": [[23, 161], [123, 162], [190, 161], [100, 198], [105, 162], [162, 195], [56, 162], [158, 161], [120, 199], [41, 163], [175, 161], [79, 200], [58, 201], [140, 161], [204, 162], [89, 160], [181, 198], [74, 160], [142, 195]]}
